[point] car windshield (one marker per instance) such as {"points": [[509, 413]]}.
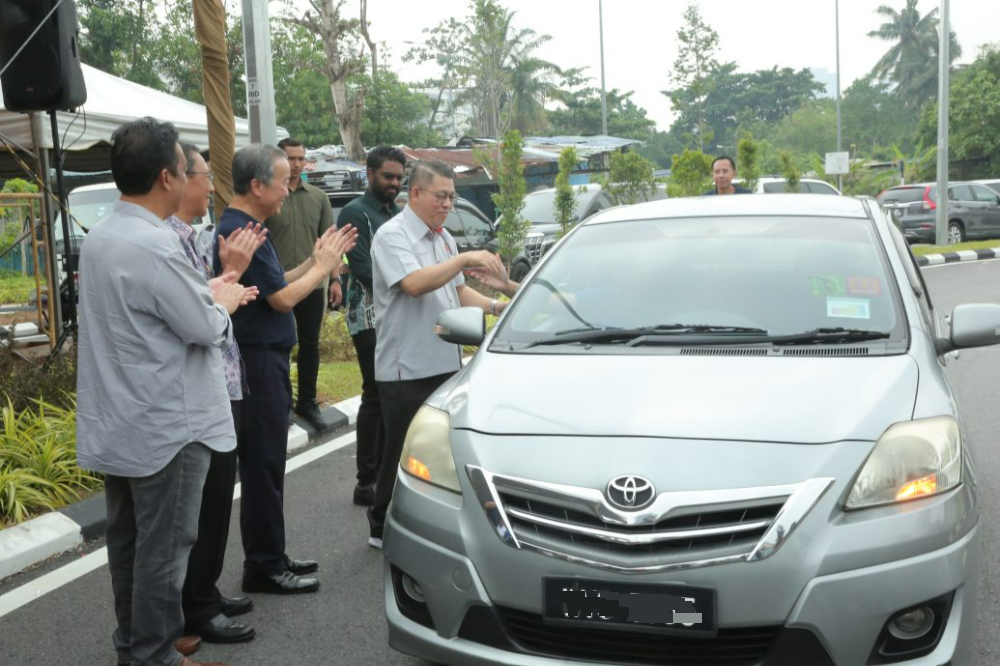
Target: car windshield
{"points": [[727, 280], [88, 207], [539, 208]]}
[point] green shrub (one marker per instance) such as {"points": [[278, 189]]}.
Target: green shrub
{"points": [[335, 342], [38, 470], [23, 382]]}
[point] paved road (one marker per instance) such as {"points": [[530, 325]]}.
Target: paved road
{"points": [[343, 623]]}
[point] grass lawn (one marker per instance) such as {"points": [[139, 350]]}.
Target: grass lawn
{"points": [[16, 288], [338, 380], [973, 245]]}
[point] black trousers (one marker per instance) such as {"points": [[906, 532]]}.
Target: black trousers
{"points": [[400, 402], [370, 432], [308, 321], [200, 597], [262, 444]]}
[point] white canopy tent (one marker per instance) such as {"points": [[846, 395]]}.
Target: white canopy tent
{"points": [[111, 101]]}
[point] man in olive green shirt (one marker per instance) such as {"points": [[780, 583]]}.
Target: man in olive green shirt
{"points": [[386, 166], [303, 218]]}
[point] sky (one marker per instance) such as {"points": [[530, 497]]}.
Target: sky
{"points": [[640, 35]]}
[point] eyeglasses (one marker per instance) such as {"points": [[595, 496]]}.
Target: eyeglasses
{"points": [[208, 174], [442, 196]]}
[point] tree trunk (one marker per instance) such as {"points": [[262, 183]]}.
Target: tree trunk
{"points": [[349, 119]]}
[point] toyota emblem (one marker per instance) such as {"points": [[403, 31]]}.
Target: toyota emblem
{"points": [[630, 492]]}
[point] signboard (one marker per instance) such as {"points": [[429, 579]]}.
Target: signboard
{"points": [[838, 163], [253, 91]]}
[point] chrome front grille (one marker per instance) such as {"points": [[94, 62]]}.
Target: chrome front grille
{"points": [[676, 531], [533, 249]]}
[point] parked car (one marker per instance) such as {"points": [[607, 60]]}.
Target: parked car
{"points": [[772, 185], [471, 229], [973, 211], [737, 445]]}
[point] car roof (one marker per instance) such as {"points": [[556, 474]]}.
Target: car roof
{"points": [[819, 205], [588, 187]]}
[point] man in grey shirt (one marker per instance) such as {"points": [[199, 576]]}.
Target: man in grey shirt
{"points": [[417, 275], [151, 395]]}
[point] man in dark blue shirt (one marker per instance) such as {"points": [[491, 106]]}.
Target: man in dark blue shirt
{"points": [[266, 335], [723, 172]]}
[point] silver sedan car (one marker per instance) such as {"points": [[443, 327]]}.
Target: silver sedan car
{"points": [[707, 431]]}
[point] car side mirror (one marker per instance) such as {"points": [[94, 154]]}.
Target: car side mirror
{"points": [[972, 325], [462, 326]]}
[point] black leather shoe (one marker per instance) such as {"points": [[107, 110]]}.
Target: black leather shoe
{"points": [[310, 414], [220, 629], [364, 495], [300, 567], [233, 606], [283, 583]]}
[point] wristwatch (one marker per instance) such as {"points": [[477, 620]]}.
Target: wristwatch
{"points": [[493, 307]]}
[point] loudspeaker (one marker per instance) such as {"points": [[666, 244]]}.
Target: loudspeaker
{"points": [[46, 76]]}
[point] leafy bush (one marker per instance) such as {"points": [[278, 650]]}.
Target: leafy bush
{"points": [[23, 383], [335, 342], [38, 470]]}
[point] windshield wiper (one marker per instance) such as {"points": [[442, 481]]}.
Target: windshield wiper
{"points": [[629, 334], [829, 336]]}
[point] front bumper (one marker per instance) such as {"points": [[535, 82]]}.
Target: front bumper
{"points": [[835, 619]]}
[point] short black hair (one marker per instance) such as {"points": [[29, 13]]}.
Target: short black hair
{"points": [[189, 150], [140, 151], [732, 162], [382, 154], [289, 141]]}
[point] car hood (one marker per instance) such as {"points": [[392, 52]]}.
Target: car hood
{"points": [[775, 399], [546, 229]]}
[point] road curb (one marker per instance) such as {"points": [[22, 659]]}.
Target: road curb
{"points": [[958, 257], [36, 540]]}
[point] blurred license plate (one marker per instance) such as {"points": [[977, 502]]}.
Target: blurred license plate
{"points": [[673, 608]]}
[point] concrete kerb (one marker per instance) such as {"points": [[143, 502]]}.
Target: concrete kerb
{"points": [[36, 540], [958, 257]]}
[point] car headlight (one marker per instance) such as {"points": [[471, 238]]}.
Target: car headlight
{"points": [[427, 449], [911, 460]]}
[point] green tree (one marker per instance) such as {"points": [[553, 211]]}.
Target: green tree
{"points": [[693, 72], [791, 172], [974, 116], [812, 128], [660, 148], [631, 178], [690, 174], [747, 156], [565, 203], [874, 119], [581, 115], [120, 37], [912, 61], [443, 45], [513, 228]]}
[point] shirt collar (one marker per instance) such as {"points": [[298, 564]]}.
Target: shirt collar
{"points": [[414, 226], [183, 229], [135, 210]]}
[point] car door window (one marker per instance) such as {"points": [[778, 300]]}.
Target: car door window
{"points": [[454, 226], [820, 188], [914, 276], [478, 231], [960, 193], [984, 194]]}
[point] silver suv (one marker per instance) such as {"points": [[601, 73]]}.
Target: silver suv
{"points": [[738, 446]]}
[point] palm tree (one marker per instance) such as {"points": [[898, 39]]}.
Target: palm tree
{"points": [[912, 62], [509, 85]]}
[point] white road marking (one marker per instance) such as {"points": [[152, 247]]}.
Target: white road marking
{"points": [[959, 263], [25, 594]]}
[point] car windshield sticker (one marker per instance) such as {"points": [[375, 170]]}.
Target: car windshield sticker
{"points": [[864, 286], [827, 285], [850, 308]]}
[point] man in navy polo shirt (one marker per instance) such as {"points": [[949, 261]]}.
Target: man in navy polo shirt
{"points": [[266, 335], [723, 173]]}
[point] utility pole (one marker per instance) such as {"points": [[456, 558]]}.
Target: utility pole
{"points": [[941, 237], [604, 95], [836, 10], [260, 79]]}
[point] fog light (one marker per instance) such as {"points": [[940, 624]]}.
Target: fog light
{"points": [[912, 624], [412, 589]]}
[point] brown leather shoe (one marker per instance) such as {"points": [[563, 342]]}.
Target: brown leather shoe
{"points": [[187, 645], [187, 662]]}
